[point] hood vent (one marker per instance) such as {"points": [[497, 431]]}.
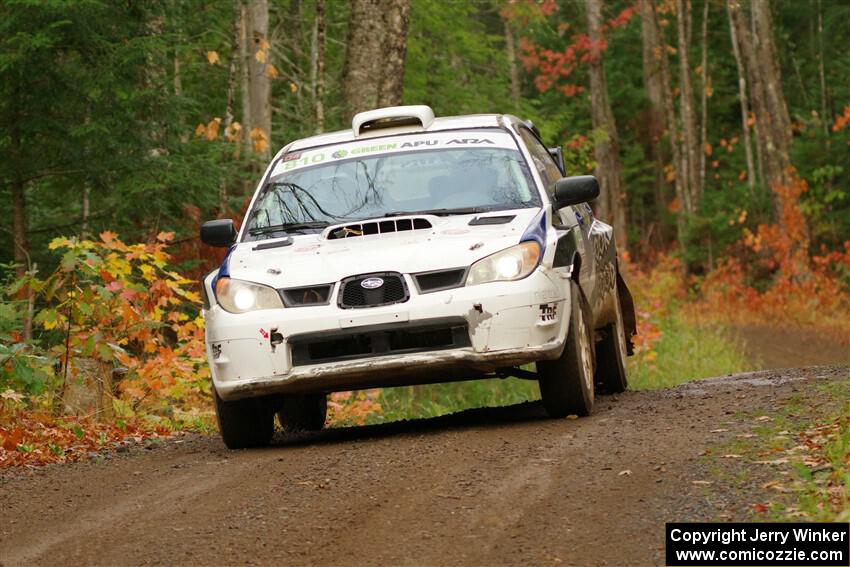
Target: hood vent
{"points": [[377, 227]]}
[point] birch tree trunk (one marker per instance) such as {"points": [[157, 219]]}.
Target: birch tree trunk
{"points": [[260, 87], [606, 145], [245, 75], [510, 52], [686, 108], [745, 105], [772, 120], [706, 85]]}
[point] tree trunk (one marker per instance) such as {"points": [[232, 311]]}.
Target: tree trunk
{"points": [[824, 114], [19, 200], [686, 108], [654, 39], [654, 85], [321, 41], [363, 58], [774, 127], [374, 60], [706, 85], [510, 52], [260, 84], [397, 22], [745, 105], [606, 146], [245, 75]]}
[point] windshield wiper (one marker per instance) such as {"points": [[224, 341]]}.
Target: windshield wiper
{"points": [[439, 212], [292, 227]]}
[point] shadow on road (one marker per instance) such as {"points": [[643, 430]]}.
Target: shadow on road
{"points": [[524, 412]]}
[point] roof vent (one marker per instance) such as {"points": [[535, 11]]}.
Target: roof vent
{"points": [[392, 117]]}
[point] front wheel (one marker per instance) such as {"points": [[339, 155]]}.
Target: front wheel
{"points": [[566, 384], [244, 423]]}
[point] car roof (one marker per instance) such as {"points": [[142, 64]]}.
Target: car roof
{"points": [[439, 124]]}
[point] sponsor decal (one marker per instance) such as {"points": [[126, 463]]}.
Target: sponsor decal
{"points": [[264, 333], [339, 154], [548, 311], [292, 156], [418, 143], [471, 141]]}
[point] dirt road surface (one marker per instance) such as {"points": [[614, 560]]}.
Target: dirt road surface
{"points": [[501, 486]]}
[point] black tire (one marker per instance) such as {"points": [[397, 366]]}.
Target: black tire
{"points": [[566, 384], [303, 412], [611, 353], [244, 423]]}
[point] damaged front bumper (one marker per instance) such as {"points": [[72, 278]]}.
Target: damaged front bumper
{"points": [[455, 334]]}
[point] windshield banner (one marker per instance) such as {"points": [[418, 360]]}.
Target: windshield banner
{"points": [[405, 143]]}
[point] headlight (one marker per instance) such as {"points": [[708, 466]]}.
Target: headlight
{"points": [[512, 263], [239, 296]]}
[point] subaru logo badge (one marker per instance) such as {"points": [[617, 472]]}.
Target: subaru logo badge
{"points": [[371, 283]]}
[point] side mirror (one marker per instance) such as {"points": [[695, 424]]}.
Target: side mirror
{"points": [[575, 190], [219, 233], [558, 155]]}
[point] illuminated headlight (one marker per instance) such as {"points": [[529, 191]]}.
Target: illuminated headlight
{"points": [[239, 296], [512, 263]]}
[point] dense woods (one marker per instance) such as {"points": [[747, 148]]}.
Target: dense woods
{"points": [[718, 129], [691, 113]]}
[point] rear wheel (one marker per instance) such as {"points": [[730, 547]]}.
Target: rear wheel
{"points": [[244, 423], [611, 354], [303, 412], [566, 384]]}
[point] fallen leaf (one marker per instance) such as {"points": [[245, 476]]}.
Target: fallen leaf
{"points": [[212, 57], [626, 472]]}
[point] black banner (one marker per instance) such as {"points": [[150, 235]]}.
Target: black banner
{"points": [[758, 544]]}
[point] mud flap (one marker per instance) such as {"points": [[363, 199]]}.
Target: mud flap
{"points": [[627, 305]]}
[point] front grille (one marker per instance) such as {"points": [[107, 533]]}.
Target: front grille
{"points": [[379, 340], [439, 280], [353, 295], [304, 296]]}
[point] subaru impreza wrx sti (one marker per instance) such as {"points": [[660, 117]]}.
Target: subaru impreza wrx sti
{"points": [[409, 250]]}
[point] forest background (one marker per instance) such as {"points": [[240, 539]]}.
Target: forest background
{"points": [[718, 129]]}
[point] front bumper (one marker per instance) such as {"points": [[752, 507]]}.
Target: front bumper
{"points": [[483, 328]]}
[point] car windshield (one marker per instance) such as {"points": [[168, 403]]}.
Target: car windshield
{"points": [[439, 181]]}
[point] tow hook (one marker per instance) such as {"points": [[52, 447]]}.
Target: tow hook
{"points": [[275, 338]]}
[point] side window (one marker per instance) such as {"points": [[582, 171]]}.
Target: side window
{"points": [[541, 158]]}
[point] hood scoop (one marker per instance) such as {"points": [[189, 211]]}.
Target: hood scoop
{"points": [[376, 227]]}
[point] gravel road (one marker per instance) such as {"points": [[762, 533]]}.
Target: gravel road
{"points": [[501, 486]]}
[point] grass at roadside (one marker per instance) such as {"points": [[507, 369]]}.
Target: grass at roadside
{"points": [[685, 352], [439, 399], [798, 455]]}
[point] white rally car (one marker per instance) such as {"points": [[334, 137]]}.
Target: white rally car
{"points": [[408, 250]]}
